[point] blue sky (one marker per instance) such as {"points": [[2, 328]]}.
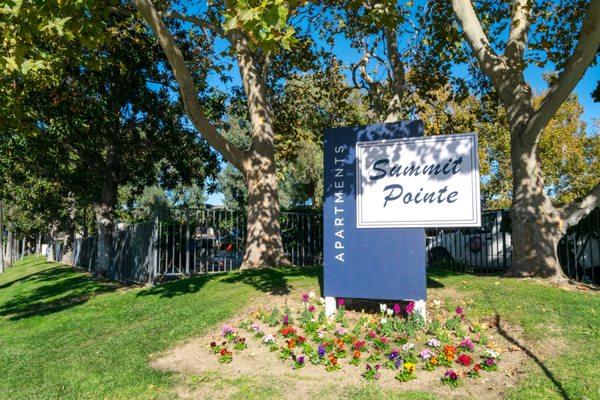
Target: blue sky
{"points": [[533, 75]]}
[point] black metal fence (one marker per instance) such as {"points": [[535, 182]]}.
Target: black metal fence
{"points": [[488, 250], [212, 240]]}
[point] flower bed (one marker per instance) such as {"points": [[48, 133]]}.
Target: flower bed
{"points": [[395, 341]]}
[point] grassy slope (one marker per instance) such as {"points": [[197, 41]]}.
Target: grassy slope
{"points": [[60, 339], [63, 335]]}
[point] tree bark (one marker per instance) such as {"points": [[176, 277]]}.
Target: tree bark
{"points": [[103, 211], [537, 225], [10, 247], [69, 232], [1, 238], [264, 245]]}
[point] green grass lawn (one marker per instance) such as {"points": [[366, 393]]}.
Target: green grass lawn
{"points": [[64, 335]]}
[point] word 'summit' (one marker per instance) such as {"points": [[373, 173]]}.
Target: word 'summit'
{"points": [[412, 170], [396, 191]]}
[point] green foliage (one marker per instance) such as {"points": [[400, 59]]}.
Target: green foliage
{"points": [[265, 22]]}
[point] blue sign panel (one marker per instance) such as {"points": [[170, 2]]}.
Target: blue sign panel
{"points": [[368, 263]]}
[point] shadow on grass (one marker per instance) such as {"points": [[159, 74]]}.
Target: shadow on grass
{"points": [[275, 281], [33, 276], [561, 390], [60, 288]]}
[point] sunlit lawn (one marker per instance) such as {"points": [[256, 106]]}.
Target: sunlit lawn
{"points": [[64, 335]]}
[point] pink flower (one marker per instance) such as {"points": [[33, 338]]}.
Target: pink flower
{"points": [[410, 307], [305, 297], [311, 308], [397, 309], [459, 310], [341, 302], [466, 343]]}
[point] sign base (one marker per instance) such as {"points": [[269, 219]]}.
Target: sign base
{"points": [[420, 307]]}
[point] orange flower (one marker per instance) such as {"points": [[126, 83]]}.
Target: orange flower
{"points": [[291, 343], [333, 359], [356, 354], [433, 361], [477, 367], [287, 331], [339, 343]]}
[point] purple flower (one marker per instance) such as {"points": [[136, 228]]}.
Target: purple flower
{"points": [[459, 310], [410, 307], [321, 351], [397, 309], [393, 355], [226, 330], [286, 320], [300, 360], [341, 302], [255, 327], [490, 362], [399, 363]]}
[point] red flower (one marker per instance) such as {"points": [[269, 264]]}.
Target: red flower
{"points": [[301, 339], [464, 359], [477, 367], [359, 344]]}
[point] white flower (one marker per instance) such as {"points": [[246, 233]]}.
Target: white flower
{"points": [[322, 300], [437, 302], [433, 342], [408, 346], [311, 294], [269, 339], [320, 334], [383, 320], [389, 312], [489, 353]]}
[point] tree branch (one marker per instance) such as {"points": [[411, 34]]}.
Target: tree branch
{"points": [[517, 38], [580, 208], [583, 55], [489, 61], [187, 87], [217, 30], [397, 76]]}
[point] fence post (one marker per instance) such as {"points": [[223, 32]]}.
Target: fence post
{"points": [[155, 239], [187, 244]]}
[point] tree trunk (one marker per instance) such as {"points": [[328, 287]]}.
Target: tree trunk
{"points": [[70, 232], [10, 247], [536, 223], [38, 245], [1, 238], [264, 246], [103, 211]]}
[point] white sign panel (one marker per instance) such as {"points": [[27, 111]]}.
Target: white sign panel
{"points": [[418, 182]]}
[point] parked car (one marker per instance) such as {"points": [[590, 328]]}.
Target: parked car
{"points": [[488, 247]]}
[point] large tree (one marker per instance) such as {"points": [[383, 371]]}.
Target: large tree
{"points": [[254, 33], [567, 35]]}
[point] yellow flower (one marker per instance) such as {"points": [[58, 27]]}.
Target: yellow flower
{"points": [[410, 367]]}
